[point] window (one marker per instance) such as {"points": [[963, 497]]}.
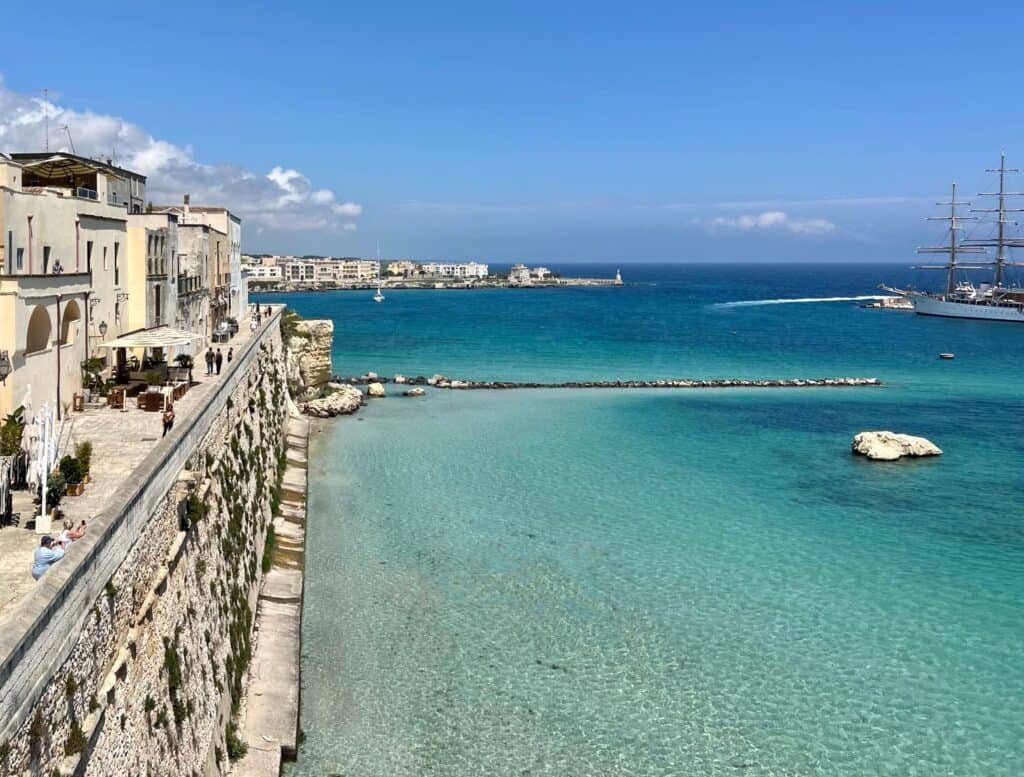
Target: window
{"points": [[7, 253], [106, 266], [116, 274], [117, 311], [88, 256], [46, 259], [21, 258], [156, 304]]}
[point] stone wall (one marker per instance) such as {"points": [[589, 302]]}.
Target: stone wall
{"points": [[136, 665]]}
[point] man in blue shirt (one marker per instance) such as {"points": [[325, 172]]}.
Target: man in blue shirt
{"points": [[46, 554]]}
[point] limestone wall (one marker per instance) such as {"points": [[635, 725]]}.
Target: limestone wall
{"points": [[130, 662]]}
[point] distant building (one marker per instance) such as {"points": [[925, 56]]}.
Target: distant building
{"points": [[466, 270], [519, 274], [403, 267]]}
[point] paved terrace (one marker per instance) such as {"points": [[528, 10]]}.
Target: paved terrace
{"points": [[121, 439]]}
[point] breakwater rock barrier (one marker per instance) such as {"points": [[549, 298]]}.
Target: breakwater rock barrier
{"points": [[443, 382]]}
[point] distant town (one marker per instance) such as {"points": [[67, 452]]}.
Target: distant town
{"points": [[311, 273]]}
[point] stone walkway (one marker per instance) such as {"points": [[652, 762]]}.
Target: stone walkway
{"points": [[121, 439], [271, 712]]}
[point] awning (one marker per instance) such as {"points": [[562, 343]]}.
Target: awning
{"points": [[157, 337]]}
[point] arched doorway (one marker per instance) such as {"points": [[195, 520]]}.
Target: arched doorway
{"points": [[37, 338], [69, 323]]}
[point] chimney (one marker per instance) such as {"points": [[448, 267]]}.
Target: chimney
{"points": [[188, 199]]}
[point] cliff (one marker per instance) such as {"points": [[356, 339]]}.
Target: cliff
{"points": [[309, 355]]}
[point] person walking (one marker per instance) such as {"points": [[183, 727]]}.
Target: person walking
{"points": [[231, 354], [253, 325], [209, 361], [168, 419], [219, 360]]}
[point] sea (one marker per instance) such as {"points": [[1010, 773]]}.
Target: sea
{"points": [[666, 582]]}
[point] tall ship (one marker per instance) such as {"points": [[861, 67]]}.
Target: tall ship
{"points": [[994, 299]]}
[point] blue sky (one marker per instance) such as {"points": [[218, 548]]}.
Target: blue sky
{"points": [[545, 131]]}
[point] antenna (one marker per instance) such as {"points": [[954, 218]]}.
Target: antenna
{"points": [[46, 119], [67, 129]]}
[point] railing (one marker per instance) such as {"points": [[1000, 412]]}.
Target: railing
{"points": [[87, 194], [38, 635]]}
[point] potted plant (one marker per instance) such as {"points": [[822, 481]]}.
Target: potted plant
{"points": [[71, 470], [83, 452], [232, 323], [10, 433], [56, 488]]}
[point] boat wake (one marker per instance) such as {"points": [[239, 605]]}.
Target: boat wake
{"points": [[789, 301]]}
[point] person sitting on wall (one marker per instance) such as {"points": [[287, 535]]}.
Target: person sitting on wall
{"points": [[70, 533], [57, 268], [46, 555]]}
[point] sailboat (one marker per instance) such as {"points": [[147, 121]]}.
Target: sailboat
{"points": [[991, 300], [379, 296]]}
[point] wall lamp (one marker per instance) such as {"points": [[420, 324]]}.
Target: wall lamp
{"points": [[5, 366]]}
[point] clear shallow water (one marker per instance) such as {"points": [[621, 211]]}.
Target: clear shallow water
{"points": [[656, 583]]}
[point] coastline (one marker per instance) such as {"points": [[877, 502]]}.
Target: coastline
{"points": [[289, 287], [270, 712]]}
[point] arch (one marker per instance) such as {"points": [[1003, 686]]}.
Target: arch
{"points": [[37, 338], [69, 323]]}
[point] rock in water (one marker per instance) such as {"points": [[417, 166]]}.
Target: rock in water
{"points": [[400, 379], [888, 446], [415, 391], [343, 400], [375, 390]]}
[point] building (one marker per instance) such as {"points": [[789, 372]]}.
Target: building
{"points": [[519, 274], [228, 284], [403, 267], [263, 273], [151, 279], [124, 188], [63, 287], [191, 268], [467, 270]]}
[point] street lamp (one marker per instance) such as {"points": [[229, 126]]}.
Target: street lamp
{"points": [[103, 328], [5, 366]]}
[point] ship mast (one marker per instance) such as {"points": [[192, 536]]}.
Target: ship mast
{"points": [[955, 248], [1001, 243]]}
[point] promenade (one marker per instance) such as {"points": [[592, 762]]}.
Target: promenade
{"points": [[121, 439]]}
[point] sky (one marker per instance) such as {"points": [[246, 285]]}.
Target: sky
{"points": [[537, 132]]}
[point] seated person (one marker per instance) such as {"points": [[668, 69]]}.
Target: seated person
{"points": [[47, 554], [70, 533]]}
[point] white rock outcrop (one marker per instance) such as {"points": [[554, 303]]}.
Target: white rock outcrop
{"points": [[415, 391], [889, 446], [400, 379], [343, 400], [309, 354], [375, 390]]}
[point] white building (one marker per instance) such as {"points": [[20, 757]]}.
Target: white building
{"points": [[455, 270]]}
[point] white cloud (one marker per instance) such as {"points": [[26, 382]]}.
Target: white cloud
{"points": [[774, 220], [283, 199]]}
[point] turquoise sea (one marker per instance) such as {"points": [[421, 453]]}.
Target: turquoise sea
{"points": [[687, 582]]}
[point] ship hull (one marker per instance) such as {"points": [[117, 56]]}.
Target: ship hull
{"points": [[934, 306]]}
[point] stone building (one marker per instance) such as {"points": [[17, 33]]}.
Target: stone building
{"points": [[62, 281], [152, 288]]}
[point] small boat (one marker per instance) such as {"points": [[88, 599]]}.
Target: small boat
{"points": [[947, 355], [379, 296]]}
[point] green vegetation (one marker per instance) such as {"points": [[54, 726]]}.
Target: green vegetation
{"points": [[10, 433], [83, 452], [110, 590], [268, 550], [290, 325], [236, 747], [72, 470], [76, 740], [56, 489], [92, 371], [70, 686]]}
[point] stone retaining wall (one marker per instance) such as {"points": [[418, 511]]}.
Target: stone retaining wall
{"points": [[129, 659]]}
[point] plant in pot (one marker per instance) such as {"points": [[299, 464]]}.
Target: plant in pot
{"points": [[73, 473], [92, 372], [83, 452], [10, 433], [56, 488]]}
